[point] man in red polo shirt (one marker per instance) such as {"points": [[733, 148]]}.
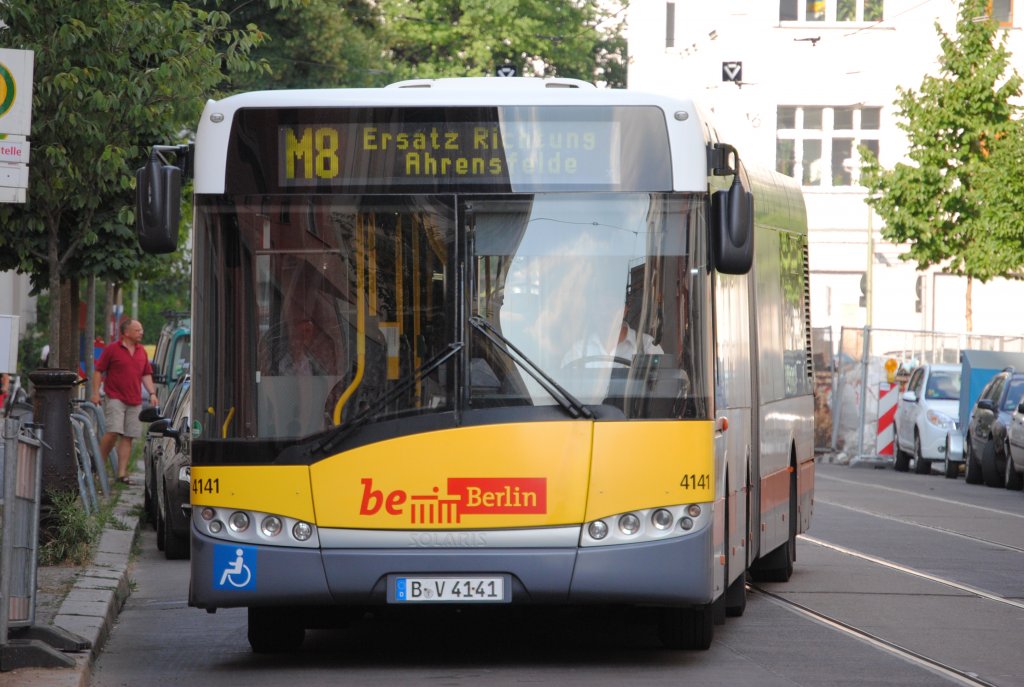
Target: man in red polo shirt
{"points": [[123, 368]]}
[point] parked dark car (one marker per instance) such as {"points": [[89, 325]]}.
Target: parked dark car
{"points": [[173, 352], [155, 441], [1014, 475], [172, 474], [986, 440]]}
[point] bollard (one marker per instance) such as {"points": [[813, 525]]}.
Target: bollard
{"points": [[52, 409]]}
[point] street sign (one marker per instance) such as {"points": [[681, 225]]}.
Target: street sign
{"points": [[506, 70], [14, 151], [732, 71], [16, 91]]}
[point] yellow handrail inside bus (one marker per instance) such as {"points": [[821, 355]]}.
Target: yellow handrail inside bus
{"points": [[415, 229], [360, 322], [227, 421]]}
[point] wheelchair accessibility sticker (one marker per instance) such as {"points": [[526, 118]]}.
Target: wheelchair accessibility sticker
{"points": [[234, 567]]}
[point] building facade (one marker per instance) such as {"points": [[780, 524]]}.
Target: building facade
{"points": [[798, 85]]}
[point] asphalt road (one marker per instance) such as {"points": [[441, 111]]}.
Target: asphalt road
{"points": [[919, 562]]}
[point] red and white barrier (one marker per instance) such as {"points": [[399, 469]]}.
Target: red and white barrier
{"points": [[887, 394]]}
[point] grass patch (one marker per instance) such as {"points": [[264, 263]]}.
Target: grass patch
{"points": [[67, 535]]}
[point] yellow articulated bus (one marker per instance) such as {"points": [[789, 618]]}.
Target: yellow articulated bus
{"points": [[487, 341]]}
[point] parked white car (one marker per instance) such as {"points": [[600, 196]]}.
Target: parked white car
{"points": [[926, 411]]}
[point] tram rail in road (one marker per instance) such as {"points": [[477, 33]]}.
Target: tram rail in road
{"points": [[947, 671]]}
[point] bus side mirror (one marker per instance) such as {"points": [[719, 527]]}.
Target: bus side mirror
{"points": [[732, 214], [158, 205]]}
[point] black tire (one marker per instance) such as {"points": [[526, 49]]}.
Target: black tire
{"points": [[161, 529], [147, 505], [1012, 479], [972, 471], [777, 565], [176, 546], [736, 597], [902, 463], [274, 630], [921, 466], [685, 628], [989, 474], [952, 469], [736, 591]]}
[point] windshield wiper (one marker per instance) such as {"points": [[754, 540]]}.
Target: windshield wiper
{"points": [[570, 403], [334, 438]]}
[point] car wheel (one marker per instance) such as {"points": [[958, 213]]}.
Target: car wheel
{"points": [[147, 503], [972, 471], [1012, 478], [989, 474], [161, 528], [921, 466], [175, 545], [902, 463], [952, 469]]}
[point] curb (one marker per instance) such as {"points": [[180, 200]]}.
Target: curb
{"points": [[92, 605]]}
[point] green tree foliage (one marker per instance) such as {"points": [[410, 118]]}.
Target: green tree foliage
{"points": [[311, 43], [111, 77], [956, 203], [443, 38]]}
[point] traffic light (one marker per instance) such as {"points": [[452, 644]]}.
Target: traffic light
{"points": [[918, 291]]}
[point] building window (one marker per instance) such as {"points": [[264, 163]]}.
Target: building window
{"points": [[818, 144], [835, 10], [1001, 11]]}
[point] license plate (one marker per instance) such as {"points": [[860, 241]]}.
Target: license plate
{"points": [[487, 589]]}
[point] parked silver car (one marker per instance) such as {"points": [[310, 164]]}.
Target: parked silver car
{"points": [[925, 413]]}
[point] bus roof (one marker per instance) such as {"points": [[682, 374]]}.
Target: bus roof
{"points": [[687, 129]]}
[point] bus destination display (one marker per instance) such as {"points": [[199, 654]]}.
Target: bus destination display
{"points": [[566, 152], [498, 149]]}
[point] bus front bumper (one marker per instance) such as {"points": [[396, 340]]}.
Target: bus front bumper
{"points": [[675, 572]]}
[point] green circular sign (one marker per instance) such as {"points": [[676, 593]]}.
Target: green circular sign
{"points": [[7, 90]]}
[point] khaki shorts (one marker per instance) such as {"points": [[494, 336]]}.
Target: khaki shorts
{"points": [[122, 419]]}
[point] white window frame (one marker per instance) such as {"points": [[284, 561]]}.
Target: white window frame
{"points": [[830, 14], [826, 135]]}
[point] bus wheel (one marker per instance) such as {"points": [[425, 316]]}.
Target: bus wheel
{"points": [[777, 565], [736, 597], [274, 630], [687, 628], [736, 592]]}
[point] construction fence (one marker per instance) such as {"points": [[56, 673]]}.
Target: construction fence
{"points": [[858, 380]]}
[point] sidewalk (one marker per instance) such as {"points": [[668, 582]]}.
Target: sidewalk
{"points": [[86, 600]]}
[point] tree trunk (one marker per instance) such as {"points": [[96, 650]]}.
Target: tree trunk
{"points": [[108, 314], [53, 263], [70, 343], [90, 326], [969, 314]]}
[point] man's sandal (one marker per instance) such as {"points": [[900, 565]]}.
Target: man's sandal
{"points": [[124, 479]]}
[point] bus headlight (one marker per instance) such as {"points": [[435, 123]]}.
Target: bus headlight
{"points": [[662, 519], [271, 526], [255, 527], [647, 525], [629, 524], [302, 531], [239, 521]]}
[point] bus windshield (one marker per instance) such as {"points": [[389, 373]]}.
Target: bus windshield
{"points": [[310, 309]]}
